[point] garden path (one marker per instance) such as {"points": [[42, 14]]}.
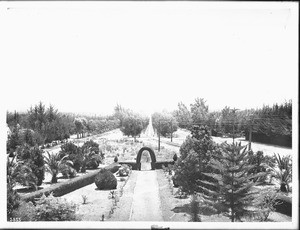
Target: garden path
{"points": [[146, 204]]}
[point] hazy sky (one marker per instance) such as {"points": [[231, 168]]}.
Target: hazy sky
{"points": [[148, 56]]}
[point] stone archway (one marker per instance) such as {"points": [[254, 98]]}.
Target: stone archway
{"points": [[152, 155]]}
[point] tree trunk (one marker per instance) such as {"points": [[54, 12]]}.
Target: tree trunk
{"points": [[83, 168], [54, 178]]}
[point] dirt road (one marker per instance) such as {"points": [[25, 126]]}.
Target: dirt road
{"points": [[146, 201]]}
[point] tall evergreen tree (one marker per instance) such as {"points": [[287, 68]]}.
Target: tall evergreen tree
{"points": [[195, 154], [233, 193]]}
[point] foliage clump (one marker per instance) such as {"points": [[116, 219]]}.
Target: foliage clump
{"points": [[195, 154], [33, 158], [105, 180], [88, 156], [164, 123], [47, 209], [124, 170]]}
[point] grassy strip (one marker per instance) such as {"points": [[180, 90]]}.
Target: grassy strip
{"points": [[68, 186]]}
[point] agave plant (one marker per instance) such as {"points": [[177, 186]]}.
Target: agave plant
{"points": [[55, 164], [284, 174]]}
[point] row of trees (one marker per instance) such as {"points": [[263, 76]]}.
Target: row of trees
{"points": [[41, 125], [38, 126], [164, 124], [130, 123], [269, 120]]}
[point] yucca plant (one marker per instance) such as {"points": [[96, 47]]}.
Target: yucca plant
{"points": [[55, 164], [284, 174]]}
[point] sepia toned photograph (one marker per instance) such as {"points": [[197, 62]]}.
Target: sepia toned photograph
{"points": [[149, 115]]}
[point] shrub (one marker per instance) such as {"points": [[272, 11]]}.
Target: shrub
{"points": [[105, 180], [124, 170], [116, 159], [114, 167], [25, 211], [54, 209], [175, 157], [68, 172], [96, 156], [33, 157], [84, 199], [13, 201], [47, 209], [266, 203]]}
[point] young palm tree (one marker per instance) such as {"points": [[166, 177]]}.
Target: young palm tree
{"points": [[20, 172], [284, 174], [54, 164]]}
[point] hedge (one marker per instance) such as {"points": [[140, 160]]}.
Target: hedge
{"points": [[285, 205], [156, 165], [281, 140], [71, 185]]}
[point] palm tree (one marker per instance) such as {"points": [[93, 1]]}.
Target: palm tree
{"points": [[21, 173], [54, 164]]}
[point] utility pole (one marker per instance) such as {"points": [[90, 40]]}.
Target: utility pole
{"points": [[158, 136], [171, 131], [233, 131], [250, 132], [250, 137]]}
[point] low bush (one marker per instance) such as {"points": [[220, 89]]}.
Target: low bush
{"points": [[69, 172], [105, 180], [47, 209], [116, 159], [114, 167], [13, 202], [25, 211], [124, 170]]}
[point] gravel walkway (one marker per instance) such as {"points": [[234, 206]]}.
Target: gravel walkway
{"points": [[146, 201]]}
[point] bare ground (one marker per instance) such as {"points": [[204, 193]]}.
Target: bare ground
{"points": [[98, 201]]}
